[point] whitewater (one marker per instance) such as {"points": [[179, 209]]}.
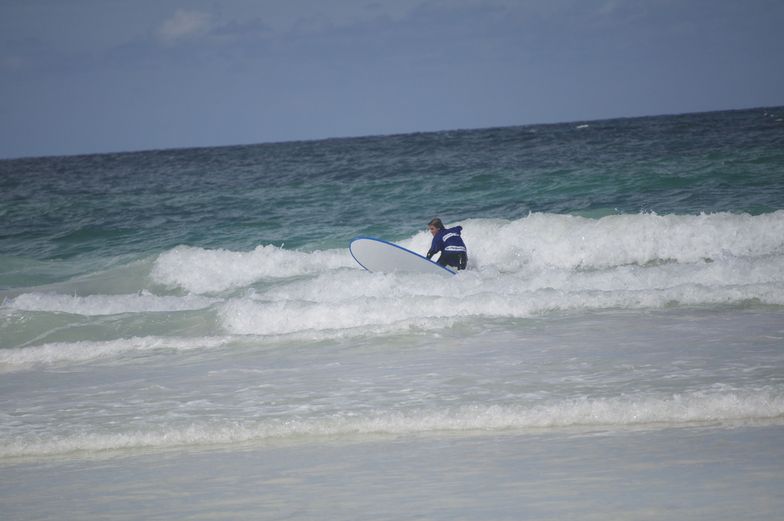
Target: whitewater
{"points": [[556, 264], [186, 330]]}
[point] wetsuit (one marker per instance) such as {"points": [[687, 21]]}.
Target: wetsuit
{"points": [[452, 248]]}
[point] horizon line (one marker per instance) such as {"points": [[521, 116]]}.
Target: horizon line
{"points": [[381, 135]]}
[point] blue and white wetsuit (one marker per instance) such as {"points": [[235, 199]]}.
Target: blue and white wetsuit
{"points": [[452, 248]]}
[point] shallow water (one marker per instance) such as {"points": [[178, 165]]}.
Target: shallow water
{"points": [[691, 473]]}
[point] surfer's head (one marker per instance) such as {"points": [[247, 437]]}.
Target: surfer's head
{"points": [[435, 225]]}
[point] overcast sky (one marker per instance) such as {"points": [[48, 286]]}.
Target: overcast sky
{"points": [[84, 76]]}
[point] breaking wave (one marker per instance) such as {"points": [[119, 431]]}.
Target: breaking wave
{"points": [[56, 352], [563, 243], [694, 408], [527, 267], [205, 271], [96, 305]]}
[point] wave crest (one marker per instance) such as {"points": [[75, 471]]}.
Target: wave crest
{"points": [[693, 408], [207, 271], [96, 305], [571, 242], [20, 358]]}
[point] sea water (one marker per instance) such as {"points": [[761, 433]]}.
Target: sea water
{"points": [[184, 334]]}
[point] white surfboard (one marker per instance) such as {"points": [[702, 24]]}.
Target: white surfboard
{"points": [[377, 255]]}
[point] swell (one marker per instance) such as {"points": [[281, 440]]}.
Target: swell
{"points": [[544, 241], [528, 267]]}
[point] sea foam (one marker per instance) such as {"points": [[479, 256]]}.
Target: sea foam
{"points": [[694, 408], [376, 315], [572, 242], [95, 305], [203, 271], [538, 241], [14, 359], [522, 268], [530, 266]]}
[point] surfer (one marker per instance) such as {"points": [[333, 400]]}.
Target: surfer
{"points": [[449, 243]]}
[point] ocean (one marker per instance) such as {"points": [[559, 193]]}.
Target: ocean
{"points": [[184, 334]]}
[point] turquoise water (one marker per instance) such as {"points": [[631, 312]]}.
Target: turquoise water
{"points": [[320, 194], [197, 312]]}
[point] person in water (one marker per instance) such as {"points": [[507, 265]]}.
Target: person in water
{"points": [[449, 243]]}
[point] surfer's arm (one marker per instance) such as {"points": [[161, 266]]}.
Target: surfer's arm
{"points": [[434, 247]]}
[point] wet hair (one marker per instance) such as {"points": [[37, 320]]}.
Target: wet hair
{"points": [[437, 223]]}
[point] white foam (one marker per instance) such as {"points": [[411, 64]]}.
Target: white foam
{"points": [[24, 357], [681, 410], [205, 271], [570, 242], [519, 268], [95, 305], [538, 241], [248, 316], [328, 319]]}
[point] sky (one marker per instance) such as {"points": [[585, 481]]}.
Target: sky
{"points": [[94, 76]]}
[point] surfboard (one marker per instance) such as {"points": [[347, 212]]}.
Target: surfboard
{"points": [[386, 257]]}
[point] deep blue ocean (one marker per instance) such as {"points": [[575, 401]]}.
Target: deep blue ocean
{"points": [[194, 317]]}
